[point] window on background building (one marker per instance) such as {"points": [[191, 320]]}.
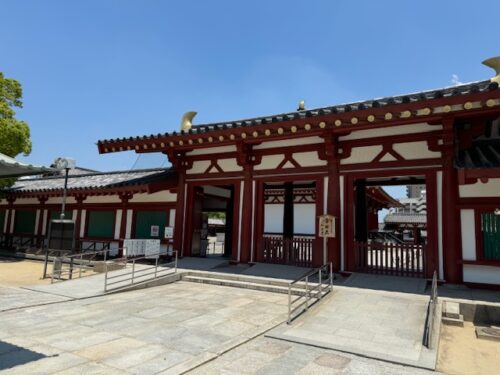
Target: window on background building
{"points": [[490, 226], [150, 224], [24, 221], [101, 224]]}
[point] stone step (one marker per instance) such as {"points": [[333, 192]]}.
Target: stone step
{"points": [[244, 278], [451, 310], [459, 322], [244, 284], [488, 333]]}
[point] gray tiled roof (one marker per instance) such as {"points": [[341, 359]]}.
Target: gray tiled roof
{"points": [[406, 218], [100, 180], [482, 154], [474, 87]]}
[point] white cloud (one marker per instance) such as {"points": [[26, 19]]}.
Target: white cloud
{"points": [[455, 80]]}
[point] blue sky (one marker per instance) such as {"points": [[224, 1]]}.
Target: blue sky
{"points": [[102, 69]]}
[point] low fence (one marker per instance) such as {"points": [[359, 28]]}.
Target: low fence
{"points": [[313, 286], [295, 251], [391, 258]]}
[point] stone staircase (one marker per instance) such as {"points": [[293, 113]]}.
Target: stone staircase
{"points": [[248, 282]]}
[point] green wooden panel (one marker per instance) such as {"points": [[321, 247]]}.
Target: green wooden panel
{"points": [[2, 220], [56, 215], [24, 222], [490, 225], [145, 219], [101, 224]]}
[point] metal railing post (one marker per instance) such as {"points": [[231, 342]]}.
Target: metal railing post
{"points": [[70, 267], [133, 271], [105, 277], [307, 293], [320, 291], [81, 260], [176, 252], [331, 276], [156, 265], [45, 265], [289, 303]]}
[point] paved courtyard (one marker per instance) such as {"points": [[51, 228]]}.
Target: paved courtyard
{"points": [[141, 332]]}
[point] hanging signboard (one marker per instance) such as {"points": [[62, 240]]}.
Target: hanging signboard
{"points": [[327, 226], [155, 230], [169, 232]]}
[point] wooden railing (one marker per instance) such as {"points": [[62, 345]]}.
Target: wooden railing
{"points": [[390, 258], [295, 251]]}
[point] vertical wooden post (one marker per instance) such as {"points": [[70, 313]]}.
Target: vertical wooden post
{"points": [[40, 237], [333, 196], [247, 209], [451, 227]]}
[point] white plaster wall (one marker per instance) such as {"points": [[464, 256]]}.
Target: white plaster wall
{"points": [[118, 223], [396, 130], [229, 165], [415, 150], [362, 154], [128, 228], [103, 199], [304, 218], [28, 201], [468, 228], [489, 189], [273, 218], [481, 274], [308, 159], [212, 150], [171, 220], [58, 200], [199, 166], [269, 162], [82, 223], [159, 196], [289, 142]]}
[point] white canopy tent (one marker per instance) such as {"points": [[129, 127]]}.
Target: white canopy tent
{"points": [[10, 167]]}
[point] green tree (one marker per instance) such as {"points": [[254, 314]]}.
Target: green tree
{"points": [[14, 133]]}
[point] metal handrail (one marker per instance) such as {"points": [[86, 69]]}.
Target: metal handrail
{"points": [[72, 260], [124, 278], [311, 291], [431, 312]]}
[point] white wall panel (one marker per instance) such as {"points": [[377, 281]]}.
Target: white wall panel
{"points": [[415, 150], [160, 196], [395, 130], [273, 218], [269, 162], [118, 223], [304, 218], [468, 234], [308, 159], [362, 154], [481, 274], [290, 142], [199, 167], [228, 165], [489, 189], [212, 150]]}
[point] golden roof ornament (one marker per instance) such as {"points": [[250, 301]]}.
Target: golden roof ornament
{"points": [[494, 63], [186, 122]]}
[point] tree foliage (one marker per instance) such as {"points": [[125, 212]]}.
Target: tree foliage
{"points": [[14, 133]]}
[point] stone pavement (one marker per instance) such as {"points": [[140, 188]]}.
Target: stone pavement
{"points": [[15, 298], [267, 356], [376, 324], [166, 329]]}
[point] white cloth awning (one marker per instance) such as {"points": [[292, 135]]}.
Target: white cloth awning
{"points": [[10, 167]]}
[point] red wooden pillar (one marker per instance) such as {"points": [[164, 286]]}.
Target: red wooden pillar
{"points": [[318, 247], [40, 236], [246, 219], [9, 218], [451, 227], [333, 196], [179, 214]]}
